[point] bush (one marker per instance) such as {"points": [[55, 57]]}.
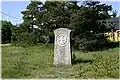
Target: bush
{"points": [[97, 42], [24, 39]]}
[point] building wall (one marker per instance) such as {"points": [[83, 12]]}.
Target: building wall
{"points": [[113, 37]]}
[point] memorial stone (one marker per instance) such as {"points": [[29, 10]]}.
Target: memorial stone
{"points": [[62, 52]]}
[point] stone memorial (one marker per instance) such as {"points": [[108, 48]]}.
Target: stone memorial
{"points": [[62, 50]]}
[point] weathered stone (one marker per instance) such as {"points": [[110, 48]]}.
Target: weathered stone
{"points": [[62, 52]]}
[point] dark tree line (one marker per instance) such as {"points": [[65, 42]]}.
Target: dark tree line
{"points": [[85, 21]]}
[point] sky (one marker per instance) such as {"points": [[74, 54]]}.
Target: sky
{"points": [[14, 8]]}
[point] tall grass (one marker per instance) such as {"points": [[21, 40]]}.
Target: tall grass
{"points": [[37, 62]]}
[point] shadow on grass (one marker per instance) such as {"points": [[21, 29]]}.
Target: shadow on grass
{"points": [[107, 46], [113, 44], [76, 61], [81, 61]]}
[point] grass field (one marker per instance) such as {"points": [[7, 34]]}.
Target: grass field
{"points": [[37, 62]]}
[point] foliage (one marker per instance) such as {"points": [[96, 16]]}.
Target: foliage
{"points": [[114, 13], [37, 62], [84, 20], [24, 39], [6, 31], [97, 42], [88, 30]]}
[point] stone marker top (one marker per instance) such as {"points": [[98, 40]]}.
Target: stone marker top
{"points": [[62, 30]]}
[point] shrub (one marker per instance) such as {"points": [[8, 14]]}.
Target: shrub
{"points": [[23, 39], [94, 43]]}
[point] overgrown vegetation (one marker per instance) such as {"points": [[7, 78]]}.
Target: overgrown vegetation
{"points": [[37, 62]]}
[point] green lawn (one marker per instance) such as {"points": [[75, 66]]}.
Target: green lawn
{"points": [[37, 62]]}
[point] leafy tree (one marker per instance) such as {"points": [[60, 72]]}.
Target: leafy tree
{"points": [[6, 31], [114, 13], [85, 21], [89, 30]]}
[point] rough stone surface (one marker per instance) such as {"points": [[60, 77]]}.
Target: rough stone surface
{"points": [[62, 52]]}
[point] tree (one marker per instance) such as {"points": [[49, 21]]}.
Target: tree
{"points": [[87, 25], [84, 20], [114, 13], [6, 31]]}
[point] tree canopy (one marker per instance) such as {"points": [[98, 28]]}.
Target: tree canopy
{"points": [[85, 20]]}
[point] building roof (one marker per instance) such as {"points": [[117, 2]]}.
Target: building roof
{"points": [[116, 21]]}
